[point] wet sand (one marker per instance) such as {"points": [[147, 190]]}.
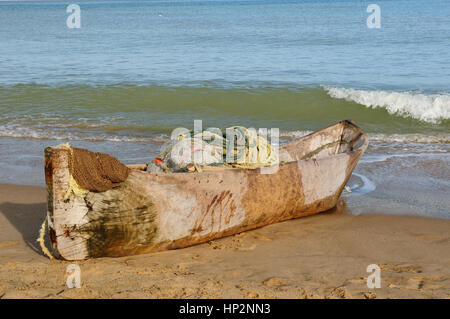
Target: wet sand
{"points": [[321, 256]]}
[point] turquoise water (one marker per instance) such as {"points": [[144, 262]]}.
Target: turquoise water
{"points": [[306, 43], [136, 70]]}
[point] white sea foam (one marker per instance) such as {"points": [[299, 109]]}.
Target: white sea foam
{"points": [[367, 186], [48, 134], [429, 108], [17, 131], [412, 138]]}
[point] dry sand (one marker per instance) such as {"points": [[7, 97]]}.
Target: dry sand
{"points": [[321, 256]]}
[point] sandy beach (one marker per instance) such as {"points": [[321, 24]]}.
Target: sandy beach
{"points": [[321, 256]]}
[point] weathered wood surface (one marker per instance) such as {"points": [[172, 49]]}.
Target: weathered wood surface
{"points": [[152, 212]]}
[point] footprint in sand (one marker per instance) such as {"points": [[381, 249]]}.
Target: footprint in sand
{"points": [[399, 268], [369, 295], [340, 292], [252, 295], [276, 282], [415, 283], [236, 244], [261, 237], [215, 245]]}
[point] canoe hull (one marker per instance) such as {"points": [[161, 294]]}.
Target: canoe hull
{"points": [[153, 212]]}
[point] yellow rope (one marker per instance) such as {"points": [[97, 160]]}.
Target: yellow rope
{"points": [[75, 188], [261, 143], [41, 239]]}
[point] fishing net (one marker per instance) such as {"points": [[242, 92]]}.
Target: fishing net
{"points": [[96, 171], [238, 147]]}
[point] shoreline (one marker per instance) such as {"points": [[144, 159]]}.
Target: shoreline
{"points": [[320, 256]]}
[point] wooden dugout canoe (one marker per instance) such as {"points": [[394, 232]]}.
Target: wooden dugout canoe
{"points": [[151, 212]]}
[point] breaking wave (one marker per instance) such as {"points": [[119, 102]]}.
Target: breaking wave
{"points": [[428, 108]]}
